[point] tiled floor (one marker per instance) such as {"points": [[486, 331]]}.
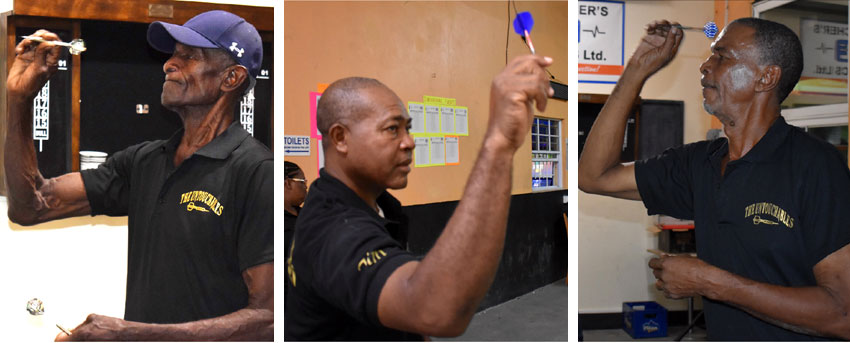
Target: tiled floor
{"points": [[537, 316], [619, 335]]}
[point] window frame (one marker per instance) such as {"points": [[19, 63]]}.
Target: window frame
{"points": [[557, 159]]}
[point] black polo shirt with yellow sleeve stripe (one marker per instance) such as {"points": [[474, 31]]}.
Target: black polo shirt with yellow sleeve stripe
{"points": [[771, 217], [192, 229], [341, 256]]}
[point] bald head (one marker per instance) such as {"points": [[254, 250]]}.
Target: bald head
{"points": [[344, 102]]}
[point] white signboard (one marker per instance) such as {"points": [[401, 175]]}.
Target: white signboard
{"points": [[296, 145], [246, 112], [41, 116], [600, 45], [824, 57]]}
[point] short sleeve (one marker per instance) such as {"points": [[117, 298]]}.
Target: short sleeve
{"points": [[665, 183], [354, 265], [108, 186], [825, 207], [256, 226]]}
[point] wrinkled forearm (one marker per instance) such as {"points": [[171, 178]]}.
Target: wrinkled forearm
{"points": [[243, 325], [808, 310], [22, 175]]}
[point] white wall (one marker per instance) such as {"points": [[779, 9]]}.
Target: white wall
{"points": [[75, 266], [613, 233]]}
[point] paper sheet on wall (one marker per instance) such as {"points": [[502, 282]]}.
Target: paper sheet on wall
{"points": [[421, 156], [417, 116], [438, 151], [462, 121], [452, 150], [447, 119], [432, 118]]}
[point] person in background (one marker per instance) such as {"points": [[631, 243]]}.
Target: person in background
{"points": [[295, 190]]}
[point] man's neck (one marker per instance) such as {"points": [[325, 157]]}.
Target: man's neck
{"points": [[291, 209], [746, 130], [744, 136], [367, 194], [201, 124]]}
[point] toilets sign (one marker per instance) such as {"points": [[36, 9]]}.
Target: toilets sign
{"points": [[296, 145]]}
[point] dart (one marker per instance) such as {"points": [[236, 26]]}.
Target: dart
{"points": [[75, 47], [710, 29], [522, 26]]}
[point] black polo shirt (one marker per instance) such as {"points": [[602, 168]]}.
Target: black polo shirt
{"points": [[192, 230], [289, 227], [772, 217], [342, 254]]}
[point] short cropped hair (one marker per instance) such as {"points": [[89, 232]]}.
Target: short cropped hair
{"points": [[341, 100], [777, 45]]}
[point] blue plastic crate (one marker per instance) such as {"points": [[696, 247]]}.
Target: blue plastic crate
{"points": [[643, 319]]}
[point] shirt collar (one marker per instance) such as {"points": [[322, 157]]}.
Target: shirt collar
{"points": [[219, 148], [330, 184], [766, 149]]}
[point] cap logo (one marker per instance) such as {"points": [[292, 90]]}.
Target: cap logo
{"points": [[234, 48]]}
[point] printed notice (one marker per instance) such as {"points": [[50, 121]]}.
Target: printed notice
{"points": [[438, 151], [452, 150], [447, 114], [461, 121], [432, 118], [420, 152], [417, 116]]}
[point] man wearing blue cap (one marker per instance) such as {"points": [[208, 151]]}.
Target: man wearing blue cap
{"points": [[200, 229]]}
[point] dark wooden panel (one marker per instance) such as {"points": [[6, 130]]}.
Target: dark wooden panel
{"points": [[137, 11], [661, 126], [589, 107]]}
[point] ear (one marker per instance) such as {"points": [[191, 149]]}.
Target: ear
{"points": [[338, 135], [234, 76], [769, 80], [287, 184]]}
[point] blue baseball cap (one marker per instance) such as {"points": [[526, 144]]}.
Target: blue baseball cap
{"points": [[213, 29]]}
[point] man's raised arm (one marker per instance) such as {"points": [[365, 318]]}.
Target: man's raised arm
{"points": [[439, 295], [599, 167], [33, 199]]}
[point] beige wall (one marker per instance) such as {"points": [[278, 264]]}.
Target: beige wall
{"points": [[612, 234], [445, 49]]}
